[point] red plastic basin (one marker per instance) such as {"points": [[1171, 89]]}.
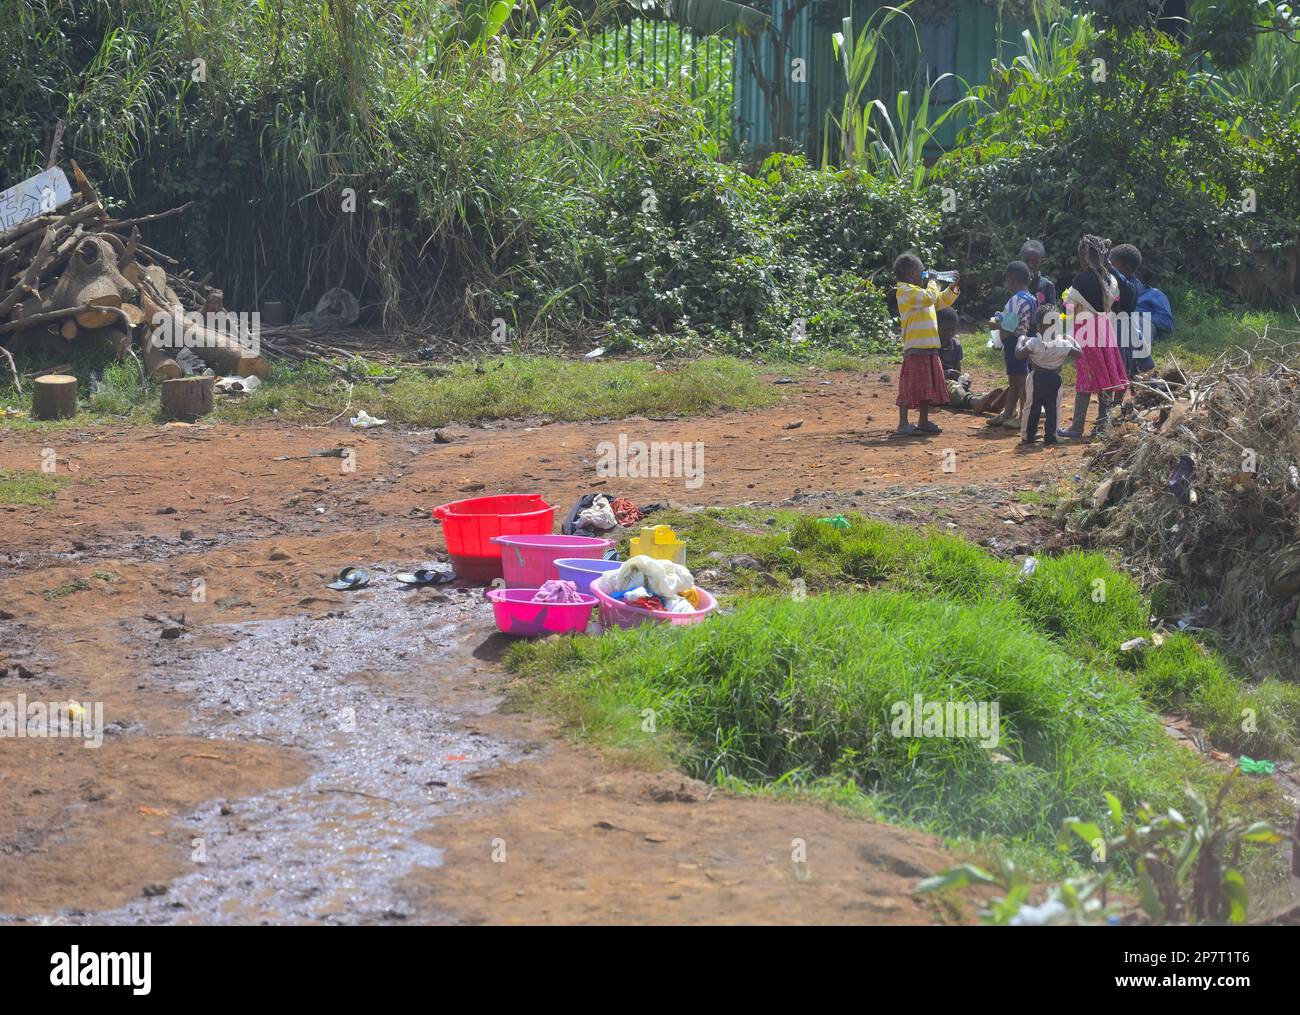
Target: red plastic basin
{"points": [[470, 525]]}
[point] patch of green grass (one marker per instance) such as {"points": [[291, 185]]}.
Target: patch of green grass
{"points": [[72, 587], [26, 488], [502, 388], [1080, 599], [516, 388], [786, 691]]}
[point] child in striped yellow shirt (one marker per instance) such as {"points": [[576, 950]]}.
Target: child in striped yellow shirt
{"points": [[920, 382]]}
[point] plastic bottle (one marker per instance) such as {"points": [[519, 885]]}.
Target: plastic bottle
{"points": [[946, 277]]}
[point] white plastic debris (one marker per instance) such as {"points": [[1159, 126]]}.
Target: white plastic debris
{"points": [[1028, 568], [364, 421], [1133, 643], [237, 385], [1039, 916]]}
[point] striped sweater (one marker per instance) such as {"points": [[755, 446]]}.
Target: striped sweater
{"points": [[916, 307]]}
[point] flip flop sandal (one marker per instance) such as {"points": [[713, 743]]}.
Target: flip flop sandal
{"points": [[994, 421], [929, 428], [350, 578], [911, 431], [1073, 435], [425, 576]]}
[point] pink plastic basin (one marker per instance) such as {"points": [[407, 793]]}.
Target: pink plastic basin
{"points": [[616, 614], [520, 618], [527, 561]]}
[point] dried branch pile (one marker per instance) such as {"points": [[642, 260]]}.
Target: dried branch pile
{"points": [[77, 275], [1201, 491]]}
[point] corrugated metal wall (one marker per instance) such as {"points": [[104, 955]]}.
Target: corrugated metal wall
{"points": [[963, 45]]}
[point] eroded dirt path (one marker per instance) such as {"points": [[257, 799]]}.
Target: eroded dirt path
{"points": [[297, 754]]}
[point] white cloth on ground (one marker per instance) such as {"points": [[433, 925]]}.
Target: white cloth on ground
{"points": [[599, 516]]}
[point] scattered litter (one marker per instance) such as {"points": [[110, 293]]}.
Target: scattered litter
{"points": [[595, 353], [1252, 767], [838, 522], [337, 308], [364, 421], [237, 385], [1134, 643], [794, 424], [1028, 568]]}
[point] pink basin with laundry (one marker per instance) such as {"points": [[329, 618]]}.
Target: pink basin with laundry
{"points": [[517, 616], [528, 561], [616, 614]]}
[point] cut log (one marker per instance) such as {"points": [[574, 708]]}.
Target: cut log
{"points": [[226, 356], [91, 279], [133, 314], [159, 363], [54, 397], [99, 318], [187, 398], [68, 329]]}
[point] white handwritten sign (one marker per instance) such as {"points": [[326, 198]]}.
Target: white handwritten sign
{"points": [[43, 192]]}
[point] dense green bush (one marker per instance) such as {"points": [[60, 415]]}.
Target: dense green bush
{"points": [[1147, 156], [782, 261]]}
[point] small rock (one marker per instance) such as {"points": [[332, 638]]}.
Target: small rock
{"points": [[165, 511], [171, 633], [187, 534], [152, 890], [794, 424], [278, 555]]}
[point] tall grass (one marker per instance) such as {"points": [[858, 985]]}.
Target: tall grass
{"points": [[422, 154], [1270, 77]]}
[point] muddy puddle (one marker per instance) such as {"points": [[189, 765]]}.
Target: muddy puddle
{"points": [[369, 696]]}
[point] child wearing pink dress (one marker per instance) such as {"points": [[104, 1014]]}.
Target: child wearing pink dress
{"points": [[1088, 302]]}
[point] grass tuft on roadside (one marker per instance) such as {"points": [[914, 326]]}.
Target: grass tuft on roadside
{"points": [[27, 488]]}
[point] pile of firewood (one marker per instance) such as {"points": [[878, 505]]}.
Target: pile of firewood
{"points": [[77, 275]]}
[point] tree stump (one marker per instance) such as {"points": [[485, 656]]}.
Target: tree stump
{"points": [[54, 397], [187, 398]]}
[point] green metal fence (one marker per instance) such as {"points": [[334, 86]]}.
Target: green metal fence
{"points": [[662, 54]]}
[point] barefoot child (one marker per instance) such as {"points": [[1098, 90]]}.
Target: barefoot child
{"points": [[920, 382], [1018, 318], [960, 396]]}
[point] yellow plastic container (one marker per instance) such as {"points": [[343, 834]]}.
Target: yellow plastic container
{"points": [[660, 542]]}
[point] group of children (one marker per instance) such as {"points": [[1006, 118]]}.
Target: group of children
{"points": [[1035, 339]]}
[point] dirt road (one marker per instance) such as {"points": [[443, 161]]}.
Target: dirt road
{"points": [[275, 751]]}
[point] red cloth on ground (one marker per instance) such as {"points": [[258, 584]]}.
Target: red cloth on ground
{"points": [[625, 512], [921, 380]]}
